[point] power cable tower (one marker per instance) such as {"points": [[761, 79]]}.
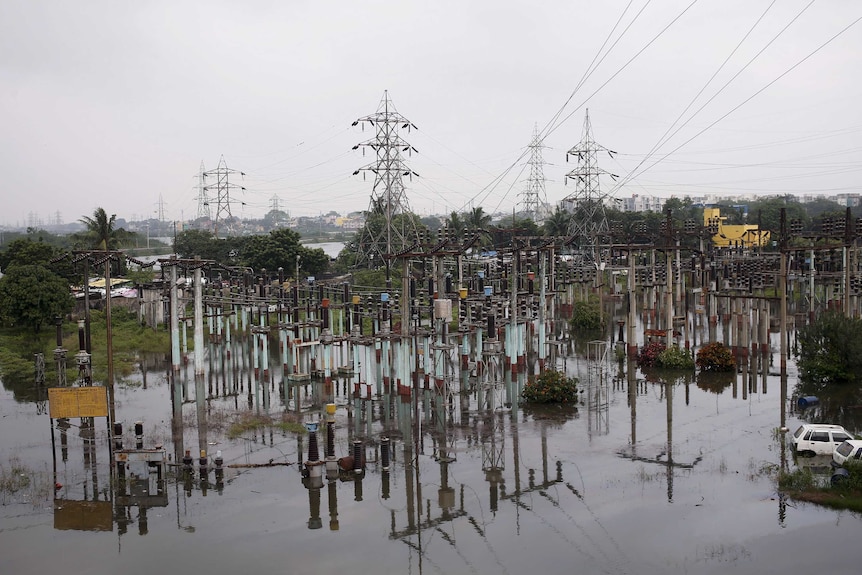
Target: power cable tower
{"points": [[279, 218], [203, 199], [534, 202], [222, 186], [389, 226], [587, 203], [161, 208]]}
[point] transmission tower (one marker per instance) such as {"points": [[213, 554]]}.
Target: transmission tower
{"points": [[534, 201], [275, 209], [160, 209], [221, 186], [587, 203], [203, 199], [386, 233]]}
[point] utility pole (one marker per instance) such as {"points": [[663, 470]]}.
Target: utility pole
{"points": [[534, 200], [387, 196]]}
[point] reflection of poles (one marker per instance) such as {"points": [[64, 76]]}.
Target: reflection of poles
{"points": [[175, 320], [631, 375], [669, 395], [110, 340], [782, 293]]}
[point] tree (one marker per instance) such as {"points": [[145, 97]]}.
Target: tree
{"points": [[279, 249], [25, 251], [830, 353], [557, 223], [477, 219], [100, 233], [32, 295], [455, 224], [205, 244]]}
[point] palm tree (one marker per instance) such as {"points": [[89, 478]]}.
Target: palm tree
{"points": [[100, 232], [477, 219], [455, 224], [557, 223]]}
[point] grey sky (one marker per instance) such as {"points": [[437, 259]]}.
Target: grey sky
{"points": [[112, 103]]}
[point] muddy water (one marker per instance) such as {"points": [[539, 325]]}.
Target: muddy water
{"points": [[646, 476]]}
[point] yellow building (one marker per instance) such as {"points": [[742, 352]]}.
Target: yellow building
{"points": [[731, 236]]}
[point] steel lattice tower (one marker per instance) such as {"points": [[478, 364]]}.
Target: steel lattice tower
{"points": [[534, 201], [203, 199], [587, 203], [222, 187], [384, 232]]}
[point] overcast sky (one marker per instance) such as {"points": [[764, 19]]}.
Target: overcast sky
{"points": [[115, 103]]}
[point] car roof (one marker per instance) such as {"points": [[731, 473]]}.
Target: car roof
{"points": [[854, 442], [822, 426]]}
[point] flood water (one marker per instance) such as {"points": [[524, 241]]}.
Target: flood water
{"points": [[647, 475]]}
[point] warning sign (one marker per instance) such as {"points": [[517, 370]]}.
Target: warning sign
{"points": [[77, 402]]}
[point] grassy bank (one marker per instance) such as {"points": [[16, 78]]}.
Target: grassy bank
{"points": [[130, 340], [803, 485]]}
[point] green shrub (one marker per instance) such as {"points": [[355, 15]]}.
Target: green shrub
{"points": [[798, 480], [551, 387], [587, 315], [675, 358], [715, 357]]}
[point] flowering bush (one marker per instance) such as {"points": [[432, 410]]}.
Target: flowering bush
{"points": [[551, 387], [715, 357], [648, 356]]}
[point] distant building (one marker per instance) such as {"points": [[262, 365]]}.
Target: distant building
{"points": [[639, 203]]}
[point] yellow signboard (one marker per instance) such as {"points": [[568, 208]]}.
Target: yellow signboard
{"points": [[77, 402]]}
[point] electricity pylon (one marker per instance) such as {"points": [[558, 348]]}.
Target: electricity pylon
{"points": [[389, 225], [587, 204], [534, 200], [203, 198], [221, 185]]}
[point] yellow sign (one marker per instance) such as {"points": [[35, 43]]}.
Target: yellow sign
{"points": [[77, 402]]}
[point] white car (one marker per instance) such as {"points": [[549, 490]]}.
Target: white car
{"points": [[818, 438], [850, 449]]}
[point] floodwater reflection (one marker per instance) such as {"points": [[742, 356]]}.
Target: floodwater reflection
{"points": [[649, 473]]}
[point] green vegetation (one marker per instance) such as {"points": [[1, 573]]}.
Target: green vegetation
{"points": [[675, 358], [830, 353], [715, 356], [551, 387], [101, 233], [587, 315], [130, 339], [656, 354], [247, 421], [802, 485], [31, 296], [277, 249]]}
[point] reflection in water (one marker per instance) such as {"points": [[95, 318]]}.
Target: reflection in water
{"points": [[444, 423]]}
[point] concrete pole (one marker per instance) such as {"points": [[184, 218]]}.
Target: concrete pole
{"points": [[175, 320], [199, 323]]}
